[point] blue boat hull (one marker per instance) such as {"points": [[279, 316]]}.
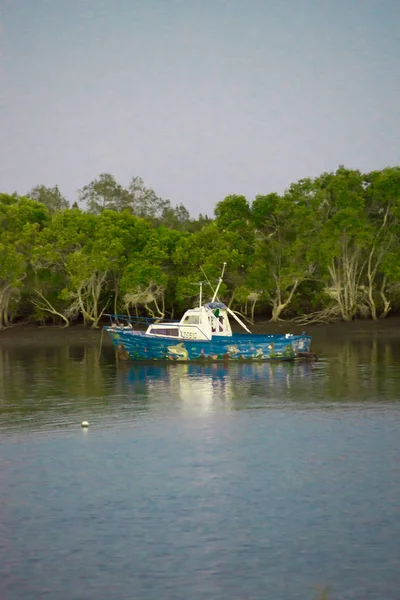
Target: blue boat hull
{"points": [[135, 345]]}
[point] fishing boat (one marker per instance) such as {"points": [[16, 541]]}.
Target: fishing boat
{"points": [[203, 333]]}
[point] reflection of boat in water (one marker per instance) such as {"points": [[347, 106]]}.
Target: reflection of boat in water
{"points": [[205, 386], [203, 334], [251, 372]]}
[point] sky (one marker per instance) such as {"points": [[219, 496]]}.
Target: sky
{"points": [[200, 98]]}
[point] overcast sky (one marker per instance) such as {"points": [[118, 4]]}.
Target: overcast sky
{"points": [[201, 98]]}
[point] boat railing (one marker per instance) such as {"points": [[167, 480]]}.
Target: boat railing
{"points": [[136, 320]]}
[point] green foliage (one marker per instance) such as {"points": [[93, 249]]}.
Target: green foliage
{"points": [[21, 221], [326, 245], [50, 197], [232, 212]]}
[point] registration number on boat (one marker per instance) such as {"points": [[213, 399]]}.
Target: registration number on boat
{"points": [[189, 335]]}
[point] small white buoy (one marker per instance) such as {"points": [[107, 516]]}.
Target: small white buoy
{"points": [[85, 424]]}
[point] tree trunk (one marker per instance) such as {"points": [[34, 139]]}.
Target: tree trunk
{"points": [[116, 296], [386, 303], [278, 305], [253, 307], [5, 297], [46, 306], [276, 311]]}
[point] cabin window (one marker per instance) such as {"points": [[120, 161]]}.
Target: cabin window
{"points": [[192, 320], [168, 332]]}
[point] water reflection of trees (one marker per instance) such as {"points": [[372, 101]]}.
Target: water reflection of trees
{"points": [[34, 381], [364, 370], [355, 370], [59, 384]]}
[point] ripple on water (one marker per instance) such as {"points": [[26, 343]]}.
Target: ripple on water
{"points": [[247, 481]]}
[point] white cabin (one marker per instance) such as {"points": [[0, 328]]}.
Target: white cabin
{"points": [[201, 323]]}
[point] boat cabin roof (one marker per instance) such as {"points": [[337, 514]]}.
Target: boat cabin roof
{"points": [[215, 305]]}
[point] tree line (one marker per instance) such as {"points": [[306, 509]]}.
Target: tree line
{"points": [[326, 249]]}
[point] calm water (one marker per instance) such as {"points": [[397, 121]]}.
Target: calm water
{"points": [[224, 483]]}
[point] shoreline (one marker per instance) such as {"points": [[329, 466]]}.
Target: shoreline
{"points": [[39, 335]]}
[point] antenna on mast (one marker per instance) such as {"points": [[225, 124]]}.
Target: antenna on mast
{"points": [[207, 280], [219, 282]]}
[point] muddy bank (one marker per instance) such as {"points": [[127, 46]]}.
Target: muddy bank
{"points": [[33, 335]]}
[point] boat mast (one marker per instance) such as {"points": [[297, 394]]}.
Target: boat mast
{"points": [[227, 308], [219, 283], [200, 284]]}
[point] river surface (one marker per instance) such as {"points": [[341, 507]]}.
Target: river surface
{"points": [[252, 481]]}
